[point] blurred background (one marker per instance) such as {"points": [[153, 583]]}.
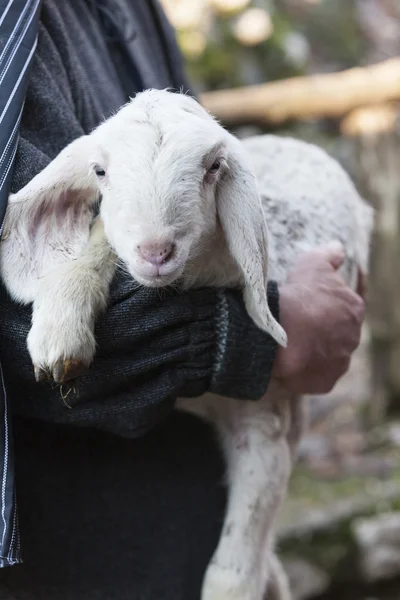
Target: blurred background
{"points": [[327, 71]]}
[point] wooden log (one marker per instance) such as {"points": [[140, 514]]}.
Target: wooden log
{"points": [[373, 165], [315, 96]]}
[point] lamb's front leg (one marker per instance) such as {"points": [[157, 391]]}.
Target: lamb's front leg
{"points": [[61, 341], [258, 463]]}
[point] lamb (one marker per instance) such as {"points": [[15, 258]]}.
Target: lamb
{"points": [[184, 200]]}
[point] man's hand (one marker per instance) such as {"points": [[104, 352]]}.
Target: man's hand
{"points": [[322, 317]]}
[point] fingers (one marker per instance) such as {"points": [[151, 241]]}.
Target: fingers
{"points": [[322, 259], [362, 285], [333, 253], [319, 380], [326, 385], [357, 305]]}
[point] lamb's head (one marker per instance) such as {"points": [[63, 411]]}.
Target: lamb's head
{"points": [[169, 177], [158, 177]]}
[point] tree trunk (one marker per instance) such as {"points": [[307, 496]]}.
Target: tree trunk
{"points": [[376, 171]]}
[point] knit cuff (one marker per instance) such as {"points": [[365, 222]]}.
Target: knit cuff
{"points": [[245, 354]]}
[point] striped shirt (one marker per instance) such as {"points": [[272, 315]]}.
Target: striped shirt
{"points": [[18, 39]]}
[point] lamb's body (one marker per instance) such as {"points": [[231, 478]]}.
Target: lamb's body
{"points": [[307, 199]]}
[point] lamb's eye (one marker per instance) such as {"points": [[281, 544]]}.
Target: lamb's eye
{"points": [[100, 172], [214, 167]]}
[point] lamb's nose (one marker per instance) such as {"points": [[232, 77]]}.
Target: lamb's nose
{"points": [[155, 253]]}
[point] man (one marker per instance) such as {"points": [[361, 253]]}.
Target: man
{"points": [[119, 497]]}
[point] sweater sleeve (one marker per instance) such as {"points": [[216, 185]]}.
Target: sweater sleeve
{"points": [[244, 355]]}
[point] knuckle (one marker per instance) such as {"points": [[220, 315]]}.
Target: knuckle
{"points": [[360, 305], [359, 300], [342, 365], [357, 309], [328, 385], [345, 365], [353, 342]]}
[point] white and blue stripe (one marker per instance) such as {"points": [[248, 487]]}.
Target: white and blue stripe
{"points": [[18, 39]]}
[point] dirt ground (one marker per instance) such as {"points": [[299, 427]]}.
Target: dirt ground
{"points": [[347, 471]]}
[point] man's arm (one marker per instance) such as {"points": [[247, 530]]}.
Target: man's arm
{"points": [[153, 348], [150, 350]]}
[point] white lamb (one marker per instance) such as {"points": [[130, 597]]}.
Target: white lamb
{"points": [[179, 200]]}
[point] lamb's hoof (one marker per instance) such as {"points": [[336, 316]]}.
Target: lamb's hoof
{"points": [[41, 374], [65, 370], [62, 371]]}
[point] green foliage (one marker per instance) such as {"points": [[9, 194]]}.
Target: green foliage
{"points": [[333, 548], [330, 29]]}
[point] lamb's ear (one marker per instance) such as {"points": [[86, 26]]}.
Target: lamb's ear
{"points": [[241, 216], [47, 222]]}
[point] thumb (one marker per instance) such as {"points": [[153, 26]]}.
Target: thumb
{"points": [[334, 253]]}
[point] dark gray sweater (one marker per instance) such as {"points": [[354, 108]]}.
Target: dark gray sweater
{"points": [[150, 350]]}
